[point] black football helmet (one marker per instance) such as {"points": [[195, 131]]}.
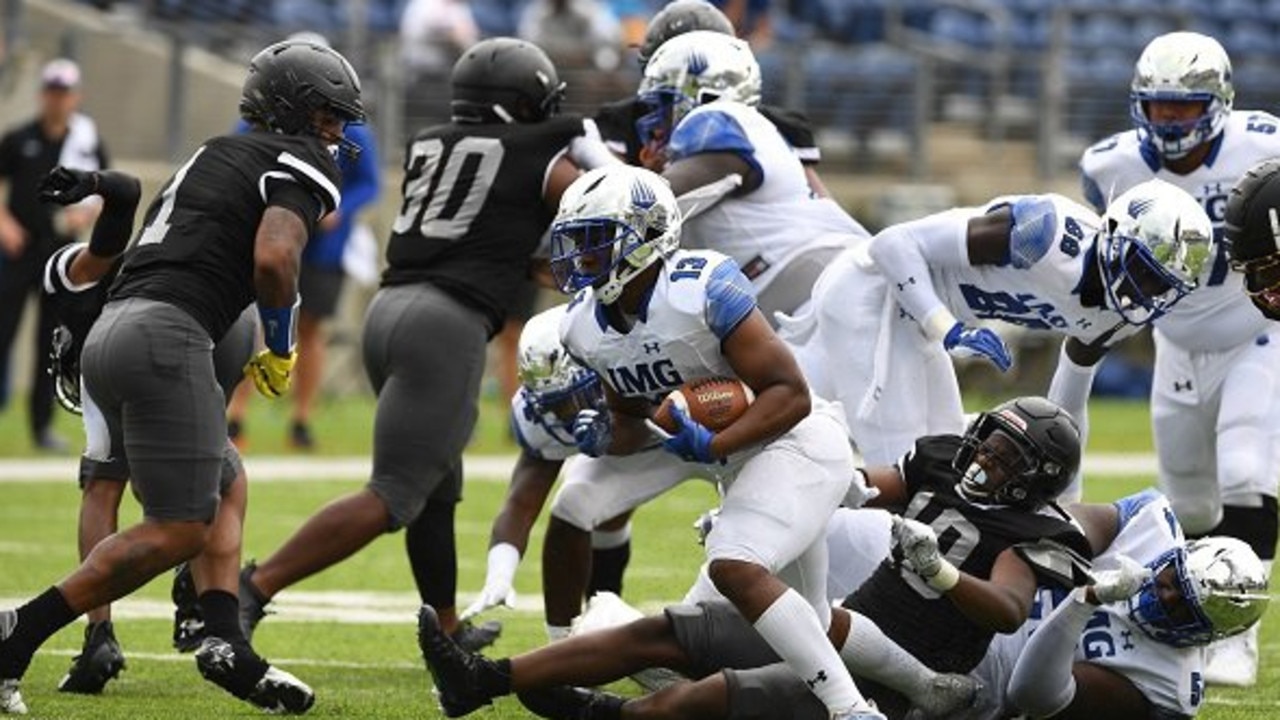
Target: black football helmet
{"points": [[1253, 233], [507, 80], [1041, 455], [678, 18], [64, 368], [290, 80]]}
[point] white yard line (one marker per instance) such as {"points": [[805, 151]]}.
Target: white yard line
{"points": [[487, 468]]}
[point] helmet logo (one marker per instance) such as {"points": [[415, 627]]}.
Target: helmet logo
{"points": [[698, 63], [1140, 206], [543, 78], [1275, 226], [642, 196], [1013, 419]]}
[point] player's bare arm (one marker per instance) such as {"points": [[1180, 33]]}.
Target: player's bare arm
{"points": [[893, 489], [988, 237], [630, 433], [706, 168], [1103, 694], [560, 176], [765, 364], [276, 252], [1001, 603], [531, 482]]}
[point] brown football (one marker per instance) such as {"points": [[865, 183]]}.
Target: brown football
{"points": [[714, 402]]}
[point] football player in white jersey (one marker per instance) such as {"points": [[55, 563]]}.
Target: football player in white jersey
{"points": [[741, 186], [1215, 398], [649, 317], [553, 388], [883, 319]]}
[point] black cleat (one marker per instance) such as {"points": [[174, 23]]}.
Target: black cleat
{"points": [[188, 621], [99, 661], [455, 671], [274, 690], [474, 638], [572, 703], [252, 604]]}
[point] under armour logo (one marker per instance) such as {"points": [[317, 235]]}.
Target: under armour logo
{"points": [[903, 285], [651, 348], [821, 677], [1126, 639], [1181, 386]]}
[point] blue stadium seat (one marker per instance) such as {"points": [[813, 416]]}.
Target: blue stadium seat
{"points": [[1249, 37], [858, 89]]}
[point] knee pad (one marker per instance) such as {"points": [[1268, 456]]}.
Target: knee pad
{"points": [[1198, 513]]}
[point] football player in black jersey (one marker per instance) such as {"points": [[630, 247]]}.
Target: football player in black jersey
{"points": [[617, 120], [973, 508], [1251, 230], [478, 194], [225, 231]]}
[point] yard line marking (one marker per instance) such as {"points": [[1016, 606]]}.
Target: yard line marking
{"points": [[484, 468]]}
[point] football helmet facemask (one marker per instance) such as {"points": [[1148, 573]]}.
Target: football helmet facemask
{"points": [[678, 18], [1223, 589], [64, 368], [1035, 443], [690, 70], [1181, 67], [1153, 246], [290, 81], [555, 385], [505, 80], [1252, 228], [614, 222]]}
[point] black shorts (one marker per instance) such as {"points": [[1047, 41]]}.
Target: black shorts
{"points": [[320, 289]]}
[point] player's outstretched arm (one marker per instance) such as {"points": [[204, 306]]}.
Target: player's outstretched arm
{"points": [[120, 193], [762, 361]]}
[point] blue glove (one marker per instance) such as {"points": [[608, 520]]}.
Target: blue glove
{"points": [[593, 432], [977, 342], [691, 440]]}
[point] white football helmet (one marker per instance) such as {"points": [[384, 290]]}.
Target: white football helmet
{"points": [[694, 69], [614, 222], [1183, 67], [1223, 586], [1154, 243], [555, 385]]}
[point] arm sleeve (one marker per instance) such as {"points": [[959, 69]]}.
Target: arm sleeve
{"points": [[1042, 684], [905, 252], [120, 194], [1070, 390], [361, 183]]}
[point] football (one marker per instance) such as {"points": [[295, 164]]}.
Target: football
{"points": [[714, 402]]}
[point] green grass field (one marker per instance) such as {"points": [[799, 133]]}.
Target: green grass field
{"points": [[372, 669]]}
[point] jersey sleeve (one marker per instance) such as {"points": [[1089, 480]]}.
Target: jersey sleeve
{"points": [[309, 169], [709, 129], [1033, 231], [730, 298]]}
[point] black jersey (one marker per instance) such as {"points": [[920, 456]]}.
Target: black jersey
{"points": [[195, 248], [617, 123], [923, 621], [472, 213]]}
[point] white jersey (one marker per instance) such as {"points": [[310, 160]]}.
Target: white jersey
{"points": [[1040, 288], [1170, 678], [699, 298], [539, 437], [767, 227], [1217, 315]]}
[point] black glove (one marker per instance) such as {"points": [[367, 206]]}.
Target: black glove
{"points": [[65, 186]]}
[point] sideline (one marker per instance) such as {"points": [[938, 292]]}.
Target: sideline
{"points": [[485, 468]]}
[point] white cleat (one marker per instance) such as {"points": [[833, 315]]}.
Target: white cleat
{"points": [[11, 699], [1233, 661]]}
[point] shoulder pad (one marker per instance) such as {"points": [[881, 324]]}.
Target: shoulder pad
{"points": [[709, 129]]}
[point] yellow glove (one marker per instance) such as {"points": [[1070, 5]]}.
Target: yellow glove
{"points": [[271, 373]]}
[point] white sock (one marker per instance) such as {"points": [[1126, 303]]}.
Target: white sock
{"points": [[557, 632], [791, 628], [869, 653]]}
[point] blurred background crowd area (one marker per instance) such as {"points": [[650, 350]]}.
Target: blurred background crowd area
{"points": [[918, 105]]}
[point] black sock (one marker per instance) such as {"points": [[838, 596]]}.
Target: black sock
{"points": [[607, 567], [37, 621], [495, 678], [1257, 526], [221, 612], [433, 558]]}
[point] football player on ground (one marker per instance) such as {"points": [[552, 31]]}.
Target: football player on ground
{"points": [[76, 279], [991, 488], [479, 193], [224, 232], [648, 318], [1215, 397], [617, 120], [1039, 261], [553, 388], [742, 189]]}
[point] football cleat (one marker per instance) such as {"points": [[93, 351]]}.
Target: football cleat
{"points": [[948, 695], [474, 638], [99, 661], [11, 699], [252, 604], [571, 703], [274, 690], [188, 622], [455, 671]]}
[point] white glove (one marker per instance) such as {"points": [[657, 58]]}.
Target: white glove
{"points": [[705, 523], [860, 491], [504, 558], [919, 545], [1121, 582]]}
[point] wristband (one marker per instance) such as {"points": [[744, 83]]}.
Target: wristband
{"points": [[946, 578], [280, 327]]}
